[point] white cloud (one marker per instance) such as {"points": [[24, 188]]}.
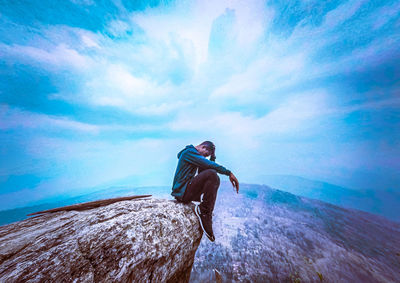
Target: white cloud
{"points": [[268, 73], [163, 108], [60, 56], [194, 22], [118, 27], [115, 85], [391, 103], [160, 27], [384, 15], [341, 14], [11, 118], [83, 2], [14, 118], [89, 41], [292, 116]]}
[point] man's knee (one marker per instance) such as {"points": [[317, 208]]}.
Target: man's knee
{"points": [[211, 172], [213, 175]]}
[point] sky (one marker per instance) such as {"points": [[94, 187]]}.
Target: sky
{"points": [[106, 93]]}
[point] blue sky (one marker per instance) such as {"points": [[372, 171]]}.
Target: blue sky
{"points": [[106, 93]]}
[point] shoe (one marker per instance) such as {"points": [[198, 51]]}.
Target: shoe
{"points": [[205, 223]]}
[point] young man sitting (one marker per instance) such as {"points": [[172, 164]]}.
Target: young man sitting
{"points": [[187, 186]]}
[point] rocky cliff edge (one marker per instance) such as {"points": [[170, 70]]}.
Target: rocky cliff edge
{"points": [[142, 240]]}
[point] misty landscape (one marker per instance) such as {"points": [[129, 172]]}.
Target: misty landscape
{"points": [[267, 235], [381, 202]]}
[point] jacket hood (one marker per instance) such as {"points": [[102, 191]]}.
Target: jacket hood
{"points": [[188, 146]]}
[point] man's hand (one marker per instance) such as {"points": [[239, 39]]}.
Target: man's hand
{"points": [[234, 181]]}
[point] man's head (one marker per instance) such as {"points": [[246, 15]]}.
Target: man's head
{"points": [[206, 149]]}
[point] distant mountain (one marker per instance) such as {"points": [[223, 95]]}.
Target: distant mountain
{"points": [[267, 235], [382, 202]]}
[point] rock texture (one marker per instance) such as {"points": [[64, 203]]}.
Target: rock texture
{"points": [[145, 240]]}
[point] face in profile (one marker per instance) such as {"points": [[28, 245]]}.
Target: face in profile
{"points": [[204, 151]]}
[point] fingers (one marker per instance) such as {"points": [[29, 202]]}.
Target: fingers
{"points": [[236, 185], [235, 182]]}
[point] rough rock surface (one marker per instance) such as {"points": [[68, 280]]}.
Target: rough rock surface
{"points": [[145, 240]]}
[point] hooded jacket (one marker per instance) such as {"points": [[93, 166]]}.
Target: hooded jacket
{"points": [[189, 161]]}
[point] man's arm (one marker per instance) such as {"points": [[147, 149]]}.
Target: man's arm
{"points": [[202, 162]]}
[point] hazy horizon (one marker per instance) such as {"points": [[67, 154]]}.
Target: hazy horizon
{"points": [[383, 205], [130, 183]]}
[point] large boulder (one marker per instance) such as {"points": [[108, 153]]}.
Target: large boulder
{"points": [[145, 240]]}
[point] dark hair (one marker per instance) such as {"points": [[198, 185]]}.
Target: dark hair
{"points": [[210, 147]]}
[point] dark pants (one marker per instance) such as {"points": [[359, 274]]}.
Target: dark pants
{"points": [[207, 183]]}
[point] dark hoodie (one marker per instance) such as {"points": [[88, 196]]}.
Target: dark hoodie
{"points": [[189, 160]]}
